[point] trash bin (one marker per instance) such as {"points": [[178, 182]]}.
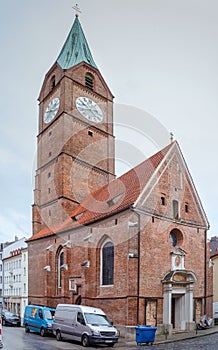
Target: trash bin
{"points": [[145, 334]]}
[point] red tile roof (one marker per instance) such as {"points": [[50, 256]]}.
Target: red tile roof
{"points": [[112, 198]]}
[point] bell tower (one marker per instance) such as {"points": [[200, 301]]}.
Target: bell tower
{"points": [[75, 142]]}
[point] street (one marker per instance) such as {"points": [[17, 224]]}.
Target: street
{"points": [[16, 338]]}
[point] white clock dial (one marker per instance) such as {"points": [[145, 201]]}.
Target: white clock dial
{"points": [[51, 110], [89, 109]]}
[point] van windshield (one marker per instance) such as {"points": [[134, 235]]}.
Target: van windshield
{"points": [[97, 320], [48, 314]]}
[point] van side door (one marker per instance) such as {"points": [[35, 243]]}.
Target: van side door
{"points": [[80, 326], [34, 320]]}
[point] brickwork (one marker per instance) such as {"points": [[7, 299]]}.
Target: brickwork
{"points": [[119, 300], [75, 157]]}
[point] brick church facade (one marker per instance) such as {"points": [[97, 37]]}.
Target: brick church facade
{"points": [[136, 245]]}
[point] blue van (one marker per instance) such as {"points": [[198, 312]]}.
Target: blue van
{"points": [[38, 319]]}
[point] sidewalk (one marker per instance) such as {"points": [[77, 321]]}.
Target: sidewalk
{"points": [[160, 339]]}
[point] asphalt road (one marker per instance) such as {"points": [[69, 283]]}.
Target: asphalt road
{"points": [[17, 339]]}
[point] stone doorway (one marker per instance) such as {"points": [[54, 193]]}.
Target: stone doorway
{"points": [[178, 289]]}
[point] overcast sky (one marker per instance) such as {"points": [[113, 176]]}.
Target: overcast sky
{"points": [[159, 56]]}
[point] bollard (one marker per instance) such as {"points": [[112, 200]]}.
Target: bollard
{"points": [[1, 343], [166, 332]]}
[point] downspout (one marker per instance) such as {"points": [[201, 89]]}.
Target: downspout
{"points": [[138, 284], [205, 272], [138, 267]]}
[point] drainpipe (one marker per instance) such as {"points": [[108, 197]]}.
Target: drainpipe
{"points": [[205, 272], [138, 268]]}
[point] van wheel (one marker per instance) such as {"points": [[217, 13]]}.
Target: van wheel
{"points": [[42, 332], [58, 335], [27, 330], [85, 340]]}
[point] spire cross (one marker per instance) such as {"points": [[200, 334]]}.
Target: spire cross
{"points": [[77, 9]]}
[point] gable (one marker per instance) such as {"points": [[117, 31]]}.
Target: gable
{"points": [[171, 194]]}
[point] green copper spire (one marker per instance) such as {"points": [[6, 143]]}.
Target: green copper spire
{"points": [[75, 49]]}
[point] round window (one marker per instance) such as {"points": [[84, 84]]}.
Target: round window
{"points": [[176, 237]]}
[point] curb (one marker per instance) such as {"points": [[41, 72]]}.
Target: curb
{"points": [[176, 338]]}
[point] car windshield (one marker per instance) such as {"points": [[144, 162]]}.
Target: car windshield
{"points": [[97, 320], [10, 314], [48, 314]]}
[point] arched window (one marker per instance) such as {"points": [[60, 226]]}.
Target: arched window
{"points": [[176, 209], [89, 81], [107, 263], [162, 200], [60, 264], [52, 82]]}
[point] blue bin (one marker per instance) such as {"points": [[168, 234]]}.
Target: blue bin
{"points": [[145, 334]]}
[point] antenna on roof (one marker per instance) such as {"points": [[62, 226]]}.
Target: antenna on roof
{"points": [[77, 9]]}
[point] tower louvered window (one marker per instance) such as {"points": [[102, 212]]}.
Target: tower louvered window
{"points": [[52, 83], [89, 81]]}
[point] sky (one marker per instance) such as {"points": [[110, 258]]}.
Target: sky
{"points": [[159, 58]]}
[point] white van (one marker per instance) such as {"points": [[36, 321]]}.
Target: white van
{"points": [[86, 324]]}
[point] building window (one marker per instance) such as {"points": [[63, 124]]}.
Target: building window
{"points": [[176, 209], [162, 200], [107, 263], [60, 264], [89, 81], [52, 82], [90, 133], [186, 208], [176, 237]]}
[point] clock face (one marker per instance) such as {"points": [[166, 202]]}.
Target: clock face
{"points": [[51, 110], [89, 109]]}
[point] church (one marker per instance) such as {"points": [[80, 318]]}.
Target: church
{"points": [[135, 246]]}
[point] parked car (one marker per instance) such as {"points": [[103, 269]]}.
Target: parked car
{"points": [[38, 319], [10, 319], [86, 324]]}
